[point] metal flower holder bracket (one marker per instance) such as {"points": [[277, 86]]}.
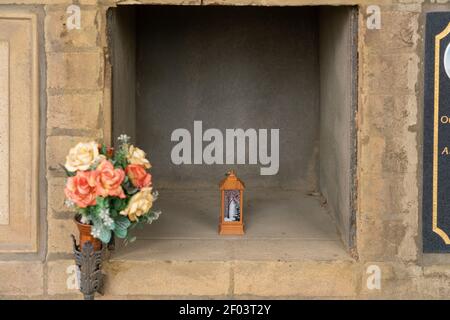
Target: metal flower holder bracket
{"points": [[89, 263]]}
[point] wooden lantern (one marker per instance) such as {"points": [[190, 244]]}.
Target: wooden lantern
{"points": [[231, 209]]}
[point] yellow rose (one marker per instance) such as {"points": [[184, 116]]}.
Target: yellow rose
{"points": [[82, 156], [139, 204], [137, 156]]}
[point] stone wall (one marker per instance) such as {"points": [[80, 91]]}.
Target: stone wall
{"points": [[389, 125]]}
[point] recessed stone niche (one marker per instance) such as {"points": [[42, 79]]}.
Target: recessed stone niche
{"points": [[286, 68]]}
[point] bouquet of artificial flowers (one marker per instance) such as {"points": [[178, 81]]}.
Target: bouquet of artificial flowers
{"points": [[111, 190]]}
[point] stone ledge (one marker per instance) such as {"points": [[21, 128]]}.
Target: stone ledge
{"points": [[167, 278], [240, 279], [301, 279], [232, 279]]}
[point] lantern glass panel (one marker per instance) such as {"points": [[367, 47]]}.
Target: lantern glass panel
{"points": [[232, 204]]}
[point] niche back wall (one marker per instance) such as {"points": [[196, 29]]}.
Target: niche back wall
{"points": [[230, 67]]}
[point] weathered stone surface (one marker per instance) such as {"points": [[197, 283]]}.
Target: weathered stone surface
{"points": [[75, 70], [379, 238], [21, 278], [74, 111], [59, 231], [388, 134], [387, 196], [60, 38], [437, 270], [388, 239], [166, 278], [390, 74], [383, 113], [56, 196], [305, 279], [388, 206], [388, 154], [435, 282], [398, 33]]}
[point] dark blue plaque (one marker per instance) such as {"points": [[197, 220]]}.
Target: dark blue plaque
{"points": [[436, 147]]}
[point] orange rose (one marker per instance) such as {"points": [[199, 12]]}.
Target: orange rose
{"points": [[109, 180], [138, 176], [81, 188]]}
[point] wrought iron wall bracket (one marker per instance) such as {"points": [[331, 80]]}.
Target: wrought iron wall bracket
{"points": [[89, 263]]}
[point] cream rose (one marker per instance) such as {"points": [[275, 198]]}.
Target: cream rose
{"points": [[139, 204], [82, 156], [137, 156]]}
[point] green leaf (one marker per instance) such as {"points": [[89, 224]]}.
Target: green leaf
{"points": [[105, 235], [121, 226], [130, 189], [122, 222], [118, 204], [96, 221], [120, 159], [102, 202], [95, 211], [103, 149], [113, 213], [120, 233], [112, 226], [83, 211]]}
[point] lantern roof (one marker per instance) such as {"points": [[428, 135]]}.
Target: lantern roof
{"points": [[231, 182]]}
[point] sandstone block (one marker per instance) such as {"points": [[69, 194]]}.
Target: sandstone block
{"points": [[300, 279], [55, 194], [74, 111], [395, 74], [166, 278], [398, 33], [75, 70], [21, 278], [59, 231]]}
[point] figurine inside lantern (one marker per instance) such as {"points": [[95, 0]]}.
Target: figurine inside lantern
{"points": [[231, 213]]}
